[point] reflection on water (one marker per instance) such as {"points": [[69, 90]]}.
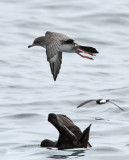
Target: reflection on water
{"points": [[75, 154], [28, 92]]}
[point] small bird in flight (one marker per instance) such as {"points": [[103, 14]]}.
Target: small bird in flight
{"points": [[55, 44], [99, 101]]}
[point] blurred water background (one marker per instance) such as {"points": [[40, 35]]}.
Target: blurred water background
{"points": [[27, 90]]}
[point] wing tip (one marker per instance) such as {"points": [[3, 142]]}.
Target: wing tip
{"points": [[78, 106], [54, 78]]}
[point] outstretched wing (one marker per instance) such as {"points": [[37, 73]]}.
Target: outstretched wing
{"points": [[116, 105], [54, 56], [85, 138], [88, 101]]}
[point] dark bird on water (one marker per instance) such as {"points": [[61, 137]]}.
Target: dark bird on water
{"points": [[70, 135], [55, 44], [99, 101]]}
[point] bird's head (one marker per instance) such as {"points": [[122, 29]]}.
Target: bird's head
{"points": [[38, 42]]}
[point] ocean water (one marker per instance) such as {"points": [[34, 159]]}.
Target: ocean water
{"points": [[28, 92]]}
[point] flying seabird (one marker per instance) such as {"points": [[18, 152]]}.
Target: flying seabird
{"points": [[99, 101], [55, 44]]}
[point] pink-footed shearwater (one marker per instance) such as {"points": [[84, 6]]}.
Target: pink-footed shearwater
{"points": [[55, 44]]}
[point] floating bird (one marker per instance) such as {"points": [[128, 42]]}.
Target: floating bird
{"points": [[99, 101], [70, 135], [55, 44]]}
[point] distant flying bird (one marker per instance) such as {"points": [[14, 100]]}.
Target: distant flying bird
{"points": [[99, 101], [55, 44]]}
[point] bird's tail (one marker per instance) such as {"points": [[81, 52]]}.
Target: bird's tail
{"points": [[87, 50]]}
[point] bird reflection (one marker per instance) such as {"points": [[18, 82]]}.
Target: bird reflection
{"points": [[76, 153]]}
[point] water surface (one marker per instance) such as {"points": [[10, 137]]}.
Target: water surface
{"points": [[29, 94]]}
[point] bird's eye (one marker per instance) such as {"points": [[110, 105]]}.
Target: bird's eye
{"points": [[36, 42]]}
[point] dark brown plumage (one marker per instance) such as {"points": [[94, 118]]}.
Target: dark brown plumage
{"points": [[70, 135]]}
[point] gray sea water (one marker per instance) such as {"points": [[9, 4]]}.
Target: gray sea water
{"points": [[27, 90]]}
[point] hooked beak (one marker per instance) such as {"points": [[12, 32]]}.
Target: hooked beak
{"points": [[31, 45]]}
